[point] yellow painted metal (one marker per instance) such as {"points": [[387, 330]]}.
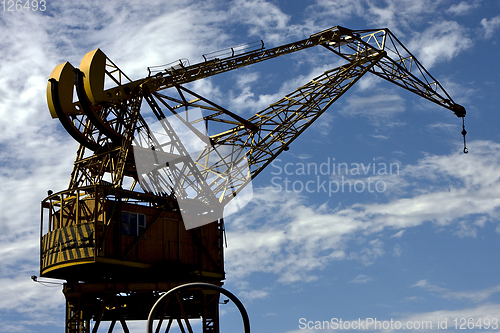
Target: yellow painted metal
{"points": [[97, 67], [65, 76], [64, 264], [68, 244], [93, 65]]}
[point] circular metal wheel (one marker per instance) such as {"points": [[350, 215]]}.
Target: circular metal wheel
{"points": [[193, 307]]}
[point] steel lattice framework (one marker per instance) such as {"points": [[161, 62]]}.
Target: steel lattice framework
{"points": [[115, 275], [111, 118]]}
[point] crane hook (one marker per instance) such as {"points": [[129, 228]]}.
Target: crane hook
{"points": [[464, 132]]}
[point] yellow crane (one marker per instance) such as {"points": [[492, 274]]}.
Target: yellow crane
{"points": [[120, 249]]}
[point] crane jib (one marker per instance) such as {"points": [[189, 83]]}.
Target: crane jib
{"points": [[105, 117]]}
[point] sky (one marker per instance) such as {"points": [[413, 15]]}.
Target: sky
{"points": [[405, 231]]}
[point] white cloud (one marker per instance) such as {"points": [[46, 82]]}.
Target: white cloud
{"points": [[377, 107], [368, 255], [490, 26], [398, 234], [299, 240], [443, 126], [440, 42], [448, 318], [368, 82], [253, 294], [397, 251], [337, 10], [464, 229], [462, 8], [361, 279], [398, 15], [427, 286], [244, 80], [432, 321], [264, 19], [20, 295], [473, 296]]}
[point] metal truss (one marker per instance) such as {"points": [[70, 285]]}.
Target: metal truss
{"points": [[221, 155], [110, 120]]}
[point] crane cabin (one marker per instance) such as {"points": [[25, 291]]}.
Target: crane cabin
{"points": [[102, 233]]}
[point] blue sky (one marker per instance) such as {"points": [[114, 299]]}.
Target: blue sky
{"points": [[422, 246]]}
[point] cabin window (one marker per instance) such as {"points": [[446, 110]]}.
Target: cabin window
{"points": [[133, 223]]}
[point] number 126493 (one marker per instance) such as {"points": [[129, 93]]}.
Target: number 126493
{"points": [[26, 5]]}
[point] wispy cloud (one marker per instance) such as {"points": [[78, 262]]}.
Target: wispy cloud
{"points": [[361, 279], [490, 26], [253, 294], [440, 42], [263, 18], [378, 107], [398, 15], [447, 319], [473, 296], [462, 8], [297, 240], [398, 234]]}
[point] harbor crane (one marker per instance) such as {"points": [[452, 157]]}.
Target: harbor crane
{"points": [[130, 236]]}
